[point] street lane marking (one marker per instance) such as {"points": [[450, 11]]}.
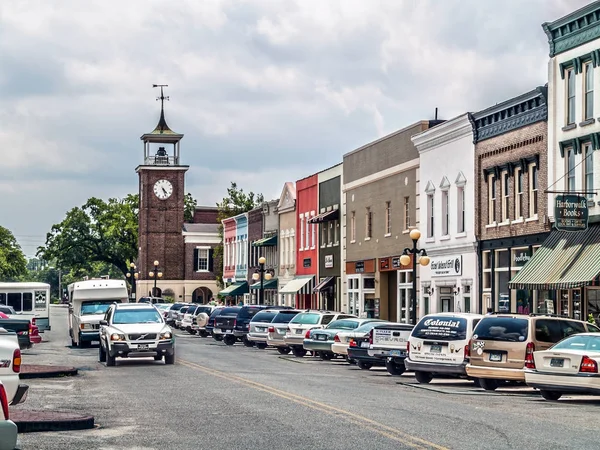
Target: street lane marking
{"points": [[364, 422]]}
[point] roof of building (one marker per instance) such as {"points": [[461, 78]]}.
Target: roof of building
{"points": [[574, 29], [201, 227]]}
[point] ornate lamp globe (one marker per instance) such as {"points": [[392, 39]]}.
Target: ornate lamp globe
{"points": [[415, 234], [262, 260], [424, 260], [405, 260]]}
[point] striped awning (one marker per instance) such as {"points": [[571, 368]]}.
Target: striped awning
{"points": [[266, 242], [566, 260], [324, 284], [302, 284]]}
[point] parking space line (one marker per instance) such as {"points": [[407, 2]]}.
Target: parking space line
{"points": [[364, 422]]}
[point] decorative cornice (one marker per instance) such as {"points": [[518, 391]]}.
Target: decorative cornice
{"points": [[443, 133], [578, 142], [574, 29], [510, 115]]}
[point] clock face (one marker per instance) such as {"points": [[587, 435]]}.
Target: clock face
{"points": [[163, 189]]}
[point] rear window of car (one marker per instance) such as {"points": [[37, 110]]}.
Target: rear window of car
{"points": [[191, 309], [264, 317], [307, 318], [203, 309], [343, 325], [502, 329], [249, 312], [285, 316], [215, 312], [579, 342], [176, 305], [231, 311], [547, 330], [441, 327]]}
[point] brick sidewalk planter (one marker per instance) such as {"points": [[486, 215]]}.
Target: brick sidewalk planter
{"points": [[29, 371], [34, 421]]}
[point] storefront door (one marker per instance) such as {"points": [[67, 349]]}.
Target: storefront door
{"points": [[447, 304]]}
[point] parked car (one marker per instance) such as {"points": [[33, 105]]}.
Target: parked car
{"points": [[135, 330], [358, 350], [570, 366], [259, 327], [199, 319], [304, 321], [320, 340], [210, 324], [226, 323], [186, 320], [438, 345], [152, 300], [342, 340], [172, 313], [278, 328], [8, 429], [390, 343], [503, 345], [10, 367], [163, 308], [8, 310], [180, 313]]}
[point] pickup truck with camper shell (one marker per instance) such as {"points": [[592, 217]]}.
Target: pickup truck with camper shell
{"points": [[390, 343]]}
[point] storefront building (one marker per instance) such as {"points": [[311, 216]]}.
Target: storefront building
{"points": [[511, 222], [302, 286], [229, 248], [447, 196], [286, 208], [563, 273], [379, 197], [239, 288], [265, 245], [327, 222]]}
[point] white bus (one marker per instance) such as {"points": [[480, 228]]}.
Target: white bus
{"points": [[32, 300], [88, 302]]}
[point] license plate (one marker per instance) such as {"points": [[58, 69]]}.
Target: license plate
{"points": [[299, 331], [217, 330], [557, 362], [435, 349], [496, 357], [143, 347], [321, 337], [395, 352], [260, 330], [364, 344]]}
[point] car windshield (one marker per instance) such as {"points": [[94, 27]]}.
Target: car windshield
{"points": [[501, 329], [579, 342], [96, 307], [264, 317], [343, 324], [447, 328], [285, 316], [307, 318], [140, 315]]}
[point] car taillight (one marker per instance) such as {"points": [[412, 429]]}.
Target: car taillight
{"points": [[234, 323], [30, 328], [407, 349], [529, 361], [4, 401], [468, 349], [16, 365], [352, 343], [271, 329], [588, 365], [307, 335], [336, 338], [371, 337]]}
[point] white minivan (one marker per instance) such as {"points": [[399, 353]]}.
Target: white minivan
{"points": [[437, 345]]}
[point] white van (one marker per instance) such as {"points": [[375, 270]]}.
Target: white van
{"points": [[437, 345], [88, 302]]}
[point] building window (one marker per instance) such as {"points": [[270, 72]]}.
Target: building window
{"points": [[588, 170], [324, 234], [388, 217], [429, 215], [571, 180], [445, 214], [368, 223], [202, 260], [406, 213], [518, 193], [570, 96], [301, 232], [505, 202], [460, 198], [314, 232], [589, 92], [293, 249], [329, 226], [353, 226], [336, 232], [491, 199], [533, 190]]}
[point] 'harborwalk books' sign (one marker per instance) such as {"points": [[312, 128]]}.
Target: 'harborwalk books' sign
{"points": [[570, 212]]}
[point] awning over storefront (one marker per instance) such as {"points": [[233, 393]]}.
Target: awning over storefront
{"points": [[299, 285], [566, 260], [326, 216], [236, 289], [327, 282], [267, 284], [266, 242]]}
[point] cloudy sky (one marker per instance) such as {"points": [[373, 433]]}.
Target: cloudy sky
{"points": [[264, 91]]}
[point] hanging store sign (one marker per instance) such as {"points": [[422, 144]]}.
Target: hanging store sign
{"points": [[571, 212], [446, 266], [329, 261]]}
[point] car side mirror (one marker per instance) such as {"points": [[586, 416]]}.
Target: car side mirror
{"points": [[103, 322]]}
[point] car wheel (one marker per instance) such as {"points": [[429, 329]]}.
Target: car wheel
{"points": [[101, 354], [326, 356], [298, 352], [261, 346], [111, 361], [423, 377], [283, 350], [217, 337], [364, 365], [487, 384], [202, 333], [350, 360], [551, 395], [170, 359], [158, 357], [394, 368], [248, 343], [229, 339]]}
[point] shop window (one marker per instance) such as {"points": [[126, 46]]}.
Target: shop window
{"points": [[577, 312], [593, 303], [588, 170], [570, 96], [545, 302], [563, 303], [368, 283], [589, 92], [491, 199], [505, 202], [519, 192]]}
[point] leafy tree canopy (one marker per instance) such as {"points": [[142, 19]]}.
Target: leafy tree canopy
{"points": [[12, 260]]}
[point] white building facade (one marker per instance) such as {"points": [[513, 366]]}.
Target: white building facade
{"points": [[286, 209], [446, 213]]}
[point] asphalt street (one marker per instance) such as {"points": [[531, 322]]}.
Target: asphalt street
{"points": [[220, 397]]}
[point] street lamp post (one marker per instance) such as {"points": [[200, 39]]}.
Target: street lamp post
{"points": [[132, 275], [262, 274], [405, 260], [155, 274]]}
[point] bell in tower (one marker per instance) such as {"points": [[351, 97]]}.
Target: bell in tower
{"points": [[161, 145]]}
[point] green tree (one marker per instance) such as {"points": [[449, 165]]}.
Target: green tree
{"points": [[98, 232], [236, 202], [189, 207], [12, 260]]}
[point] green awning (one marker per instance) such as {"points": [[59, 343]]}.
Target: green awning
{"points": [[266, 242], [270, 284], [235, 289], [566, 260]]}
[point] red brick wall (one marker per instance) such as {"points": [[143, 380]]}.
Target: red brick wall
{"points": [[205, 214], [510, 148], [190, 273], [255, 232]]}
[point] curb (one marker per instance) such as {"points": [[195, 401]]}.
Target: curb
{"points": [[40, 421], [38, 371]]}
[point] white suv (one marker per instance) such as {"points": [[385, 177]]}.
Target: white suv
{"points": [[135, 330]]}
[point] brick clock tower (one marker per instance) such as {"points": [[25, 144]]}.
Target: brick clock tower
{"points": [[161, 192]]}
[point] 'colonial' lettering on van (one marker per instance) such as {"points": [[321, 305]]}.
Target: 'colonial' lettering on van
{"points": [[441, 323]]}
